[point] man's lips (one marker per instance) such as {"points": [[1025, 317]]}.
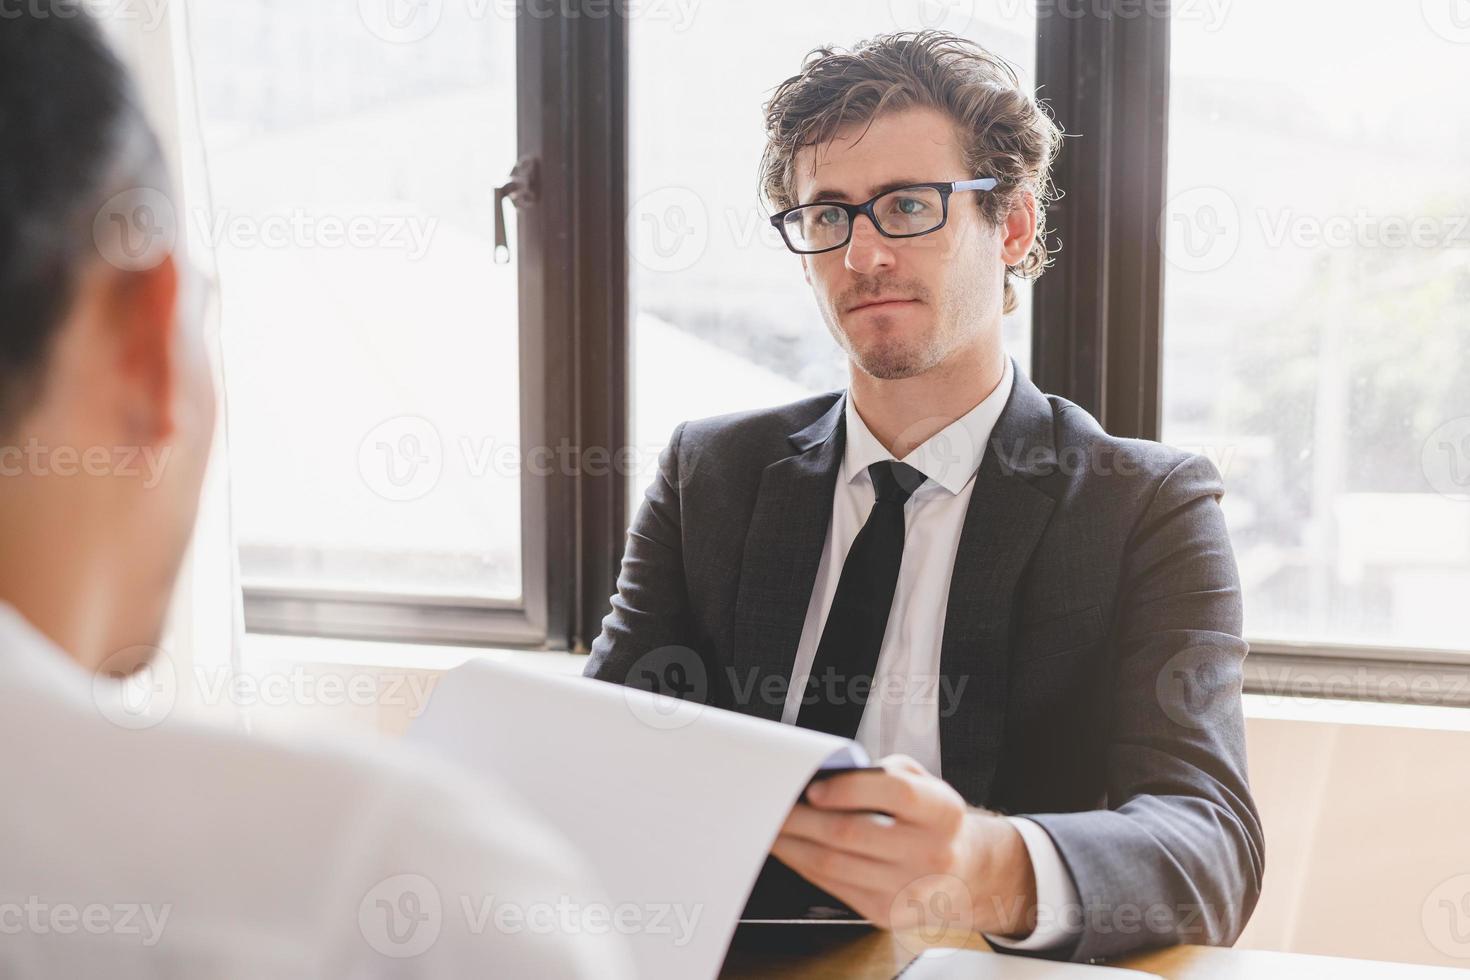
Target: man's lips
{"points": [[874, 304]]}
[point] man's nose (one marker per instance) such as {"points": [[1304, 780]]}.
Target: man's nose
{"points": [[869, 251]]}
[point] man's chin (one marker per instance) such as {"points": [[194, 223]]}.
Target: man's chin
{"points": [[893, 363]]}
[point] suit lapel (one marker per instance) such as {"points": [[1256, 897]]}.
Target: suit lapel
{"points": [[783, 550], [1007, 514]]}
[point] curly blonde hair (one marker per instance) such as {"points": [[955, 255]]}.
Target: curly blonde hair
{"points": [[1006, 133]]}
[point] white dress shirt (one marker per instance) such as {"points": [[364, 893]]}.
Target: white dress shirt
{"points": [[902, 713], [185, 851]]}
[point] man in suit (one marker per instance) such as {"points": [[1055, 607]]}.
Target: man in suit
{"points": [[1035, 625]]}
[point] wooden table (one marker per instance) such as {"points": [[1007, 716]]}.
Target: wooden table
{"points": [[819, 952]]}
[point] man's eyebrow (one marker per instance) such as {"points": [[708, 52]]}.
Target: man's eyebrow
{"points": [[827, 194]]}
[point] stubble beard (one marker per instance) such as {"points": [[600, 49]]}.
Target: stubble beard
{"points": [[894, 355]]}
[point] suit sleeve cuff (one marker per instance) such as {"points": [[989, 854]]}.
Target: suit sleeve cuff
{"points": [[1055, 892]]}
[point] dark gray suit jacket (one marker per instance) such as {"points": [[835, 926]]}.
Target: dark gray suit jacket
{"points": [[1091, 650]]}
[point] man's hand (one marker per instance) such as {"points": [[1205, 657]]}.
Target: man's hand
{"points": [[904, 851]]}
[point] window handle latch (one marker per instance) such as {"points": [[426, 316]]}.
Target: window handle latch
{"points": [[521, 189]]}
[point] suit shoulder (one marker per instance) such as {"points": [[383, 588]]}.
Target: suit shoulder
{"points": [[1080, 435], [759, 426]]}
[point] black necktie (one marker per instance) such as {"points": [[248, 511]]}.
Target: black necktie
{"points": [[847, 655]]}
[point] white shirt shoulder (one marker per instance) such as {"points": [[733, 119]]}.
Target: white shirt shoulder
{"points": [[185, 850]]}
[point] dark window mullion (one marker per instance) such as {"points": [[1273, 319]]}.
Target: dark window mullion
{"points": [[600, 67], [574, 318], [1140, 149], [1098, 317], [547, 397]]}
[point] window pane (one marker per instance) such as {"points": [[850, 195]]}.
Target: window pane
{"points": [[371, 341], [724, 320], [1318, 308]]}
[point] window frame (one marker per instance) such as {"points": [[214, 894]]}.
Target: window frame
{"points": [[1096, 338], [1099, 322], [571, 95]]}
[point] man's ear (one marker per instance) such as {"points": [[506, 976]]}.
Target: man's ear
{"points": [[144, 308], [1019, 229]]}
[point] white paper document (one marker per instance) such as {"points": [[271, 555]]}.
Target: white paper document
{"points": [[674, 804], [969, 964]]}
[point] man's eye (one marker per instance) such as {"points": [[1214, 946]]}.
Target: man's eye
{"points": [[910, 205], [831, 216]]}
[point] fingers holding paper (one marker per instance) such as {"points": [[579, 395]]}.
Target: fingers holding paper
{"points": [[904, 851]]}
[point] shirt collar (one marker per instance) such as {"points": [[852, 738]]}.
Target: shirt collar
{"points": [[949, 458], [26, 652]]}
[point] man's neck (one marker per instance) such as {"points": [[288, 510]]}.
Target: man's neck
{"points": [[51, 573], [902, 414]]}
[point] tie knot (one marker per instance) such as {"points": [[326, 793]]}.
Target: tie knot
{"points": [[895, 481]]}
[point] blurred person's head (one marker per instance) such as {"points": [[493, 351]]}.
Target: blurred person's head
{"points": [[106, 397], [907, 109]]}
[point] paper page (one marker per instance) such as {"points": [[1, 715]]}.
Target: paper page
{"points": [[674, 804], [850, 756], [969, 964]]}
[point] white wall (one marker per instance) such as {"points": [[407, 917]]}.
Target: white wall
{"points": [[1367, 830]]}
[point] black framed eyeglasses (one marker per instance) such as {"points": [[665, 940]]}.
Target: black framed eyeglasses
{"points": [[905, 212]]}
